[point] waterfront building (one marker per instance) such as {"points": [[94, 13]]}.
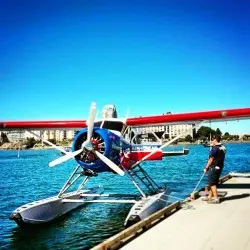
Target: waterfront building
{"points": [[49, 134], [29, 135], [162, 132], [20, 135], [185, 129], [58, 135], [70, 134], [15, 135]]}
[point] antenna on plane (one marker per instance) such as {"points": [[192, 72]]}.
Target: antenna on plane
{"points": [[127, 113]]}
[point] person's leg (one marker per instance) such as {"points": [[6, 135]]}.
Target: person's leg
{"points": [[215, 194], [216, 178], [210, 183], [214, 191], [210, 194], [213, 179]]}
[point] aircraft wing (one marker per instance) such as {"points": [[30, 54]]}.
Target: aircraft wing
{"points": [[181, 118], [191, 118], [35, 125]]}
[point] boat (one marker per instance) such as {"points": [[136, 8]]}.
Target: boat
{"points": [[208, 144], [67, 149]]}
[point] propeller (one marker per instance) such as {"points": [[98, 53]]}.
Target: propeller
{"points": [[87, 145], [109, 163]]}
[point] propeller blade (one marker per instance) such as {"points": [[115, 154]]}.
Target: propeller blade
{"points": [[65, 158], [91, 120], [48, 142], [109, 163]]}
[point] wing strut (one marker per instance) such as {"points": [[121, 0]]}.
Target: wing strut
{"points": [[165, 145], [48, 142]]}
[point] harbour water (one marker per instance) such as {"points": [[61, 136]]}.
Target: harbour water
{"points": [[29, 178]]}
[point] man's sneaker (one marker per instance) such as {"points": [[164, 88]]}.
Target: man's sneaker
{"points": [[213, 201], [205, 198]]}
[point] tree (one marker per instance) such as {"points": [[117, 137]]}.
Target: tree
{"points": [[30, 142], [189, 138], [203, 138], [3, 138], [226, 136], [218, 132], [205, 132], [246, 137], [52, 141]]}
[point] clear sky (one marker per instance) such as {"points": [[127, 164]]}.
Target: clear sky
{"points": [[148, 57]]}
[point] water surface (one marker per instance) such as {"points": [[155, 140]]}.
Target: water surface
{"points": [[29, 178]]}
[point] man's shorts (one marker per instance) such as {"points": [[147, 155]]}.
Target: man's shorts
{"points": [[214, 176]]}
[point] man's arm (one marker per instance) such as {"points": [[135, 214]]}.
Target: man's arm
{"points": [[209, 163]]}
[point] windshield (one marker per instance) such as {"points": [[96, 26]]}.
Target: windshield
{"points": [[112, 125]]}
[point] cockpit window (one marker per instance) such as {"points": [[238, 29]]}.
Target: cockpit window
{"points": [[112, 125], [98, 124]]}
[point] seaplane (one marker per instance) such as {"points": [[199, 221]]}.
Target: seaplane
{"points": [[100, 146]]}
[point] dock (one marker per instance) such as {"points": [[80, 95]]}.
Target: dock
{"points": [[196, 225]]}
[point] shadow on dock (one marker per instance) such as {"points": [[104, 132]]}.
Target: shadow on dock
{"points": [[235, 186], [234, 197]]}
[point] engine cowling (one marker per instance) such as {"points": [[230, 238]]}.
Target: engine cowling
{"points": [[104, 141]]}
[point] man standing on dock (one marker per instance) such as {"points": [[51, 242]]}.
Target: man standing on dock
{"points": [[215, 165]]}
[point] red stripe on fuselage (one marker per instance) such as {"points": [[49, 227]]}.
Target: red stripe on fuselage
{"points": [[138, 155], [130, 158]]}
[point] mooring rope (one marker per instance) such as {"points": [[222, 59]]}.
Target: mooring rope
{"points": [[183, 202], [199, 182]]}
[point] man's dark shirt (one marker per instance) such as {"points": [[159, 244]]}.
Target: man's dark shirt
{"points": [[218, 153]]}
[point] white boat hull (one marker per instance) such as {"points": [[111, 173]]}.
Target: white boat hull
{"points": [[47, 210]]}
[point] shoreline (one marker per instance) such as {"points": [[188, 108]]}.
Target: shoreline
{"points": [[223, 142], [178, 144], [35, 148]]}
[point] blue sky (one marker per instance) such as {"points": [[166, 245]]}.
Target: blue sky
{"points": [[146, 56]]}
